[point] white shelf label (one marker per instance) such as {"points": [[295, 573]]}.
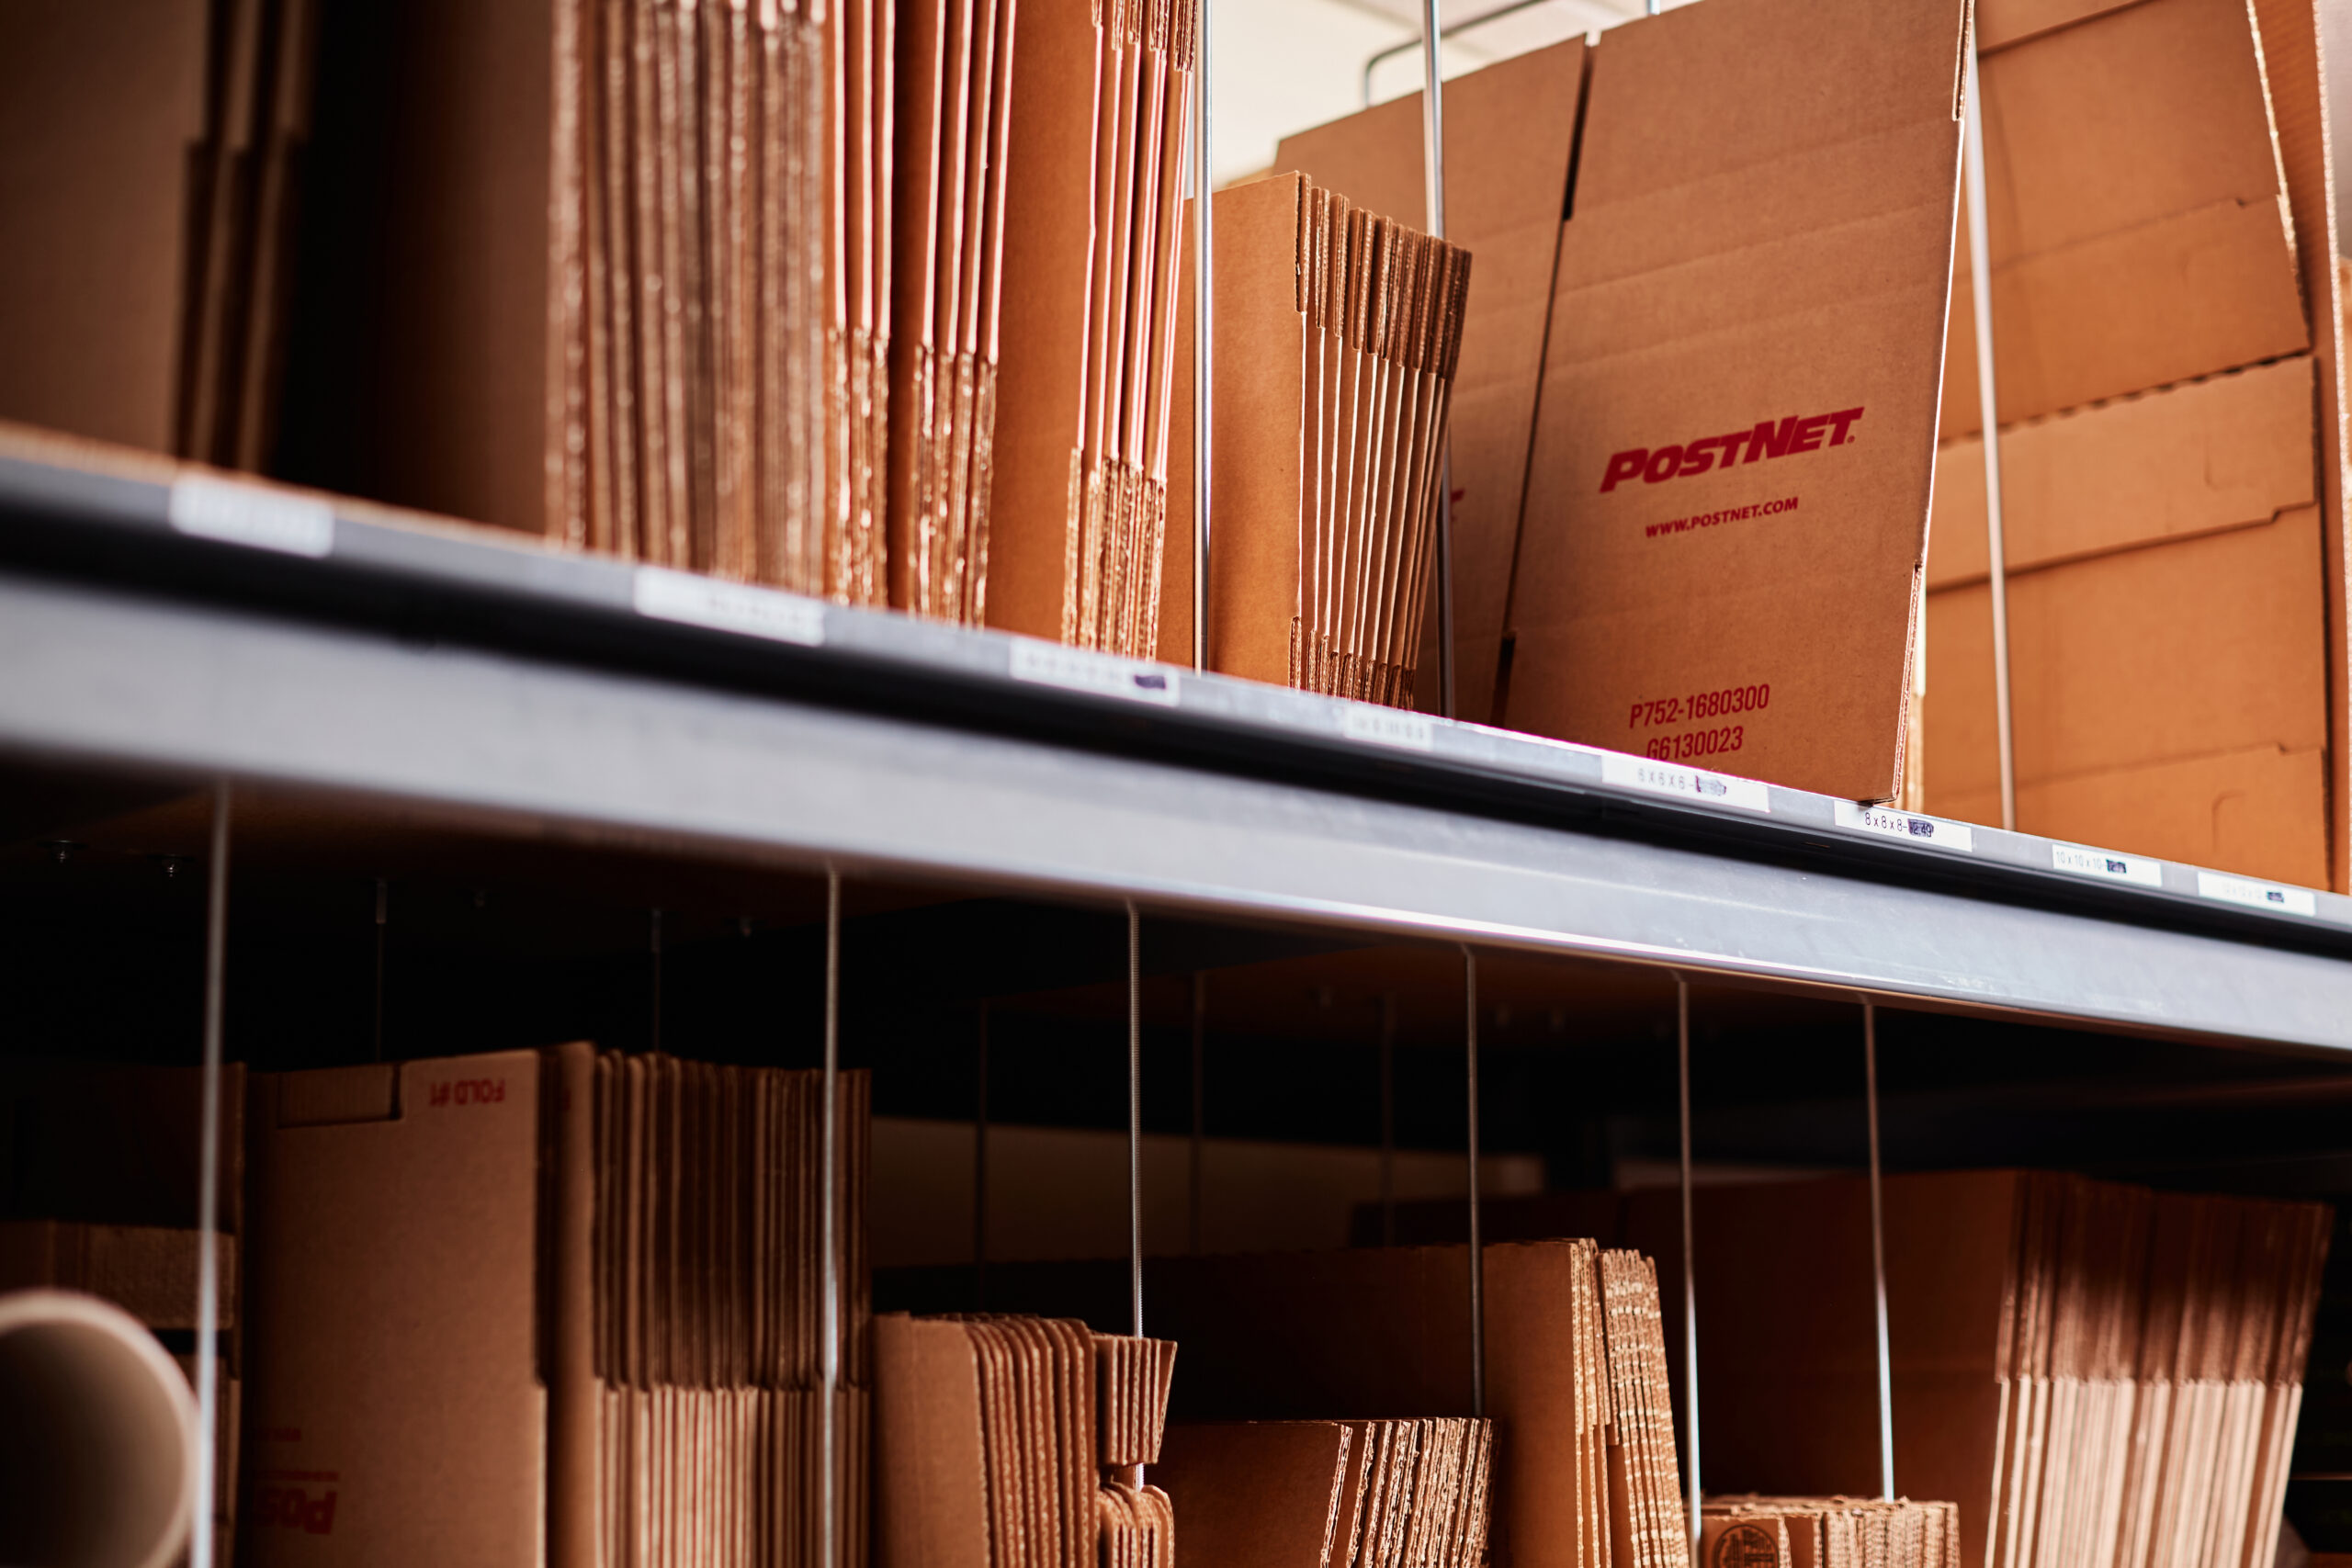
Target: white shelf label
{"points": [[1691, 783], [1905, 825], [2107, 865], [696, 600], [233, 514], [1097, 674], [2255, 895], [1387, 726]]}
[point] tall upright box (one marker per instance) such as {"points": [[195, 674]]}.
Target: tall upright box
{"points": [[2165, 324], [1720, 551]]}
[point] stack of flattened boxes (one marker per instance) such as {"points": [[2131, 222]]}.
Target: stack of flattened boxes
{"points": [[2161, 249]]}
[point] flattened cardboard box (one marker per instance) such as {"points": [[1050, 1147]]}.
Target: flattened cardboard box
{"points": [[100, 108], [415, 1188], [2260, 812], [2197, 458], [2136, 209], [2168, 699], [2189, 648], [2107, 495], [1510, 137], [1727, 514]]}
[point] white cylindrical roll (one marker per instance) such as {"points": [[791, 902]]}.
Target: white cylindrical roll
{"points": [[98, 1437]]}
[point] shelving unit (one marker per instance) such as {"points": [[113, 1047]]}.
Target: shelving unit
{"points": [[559, 760], [578, 697]]}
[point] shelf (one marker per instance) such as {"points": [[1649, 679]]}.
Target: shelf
{"points": [[207, 627]]}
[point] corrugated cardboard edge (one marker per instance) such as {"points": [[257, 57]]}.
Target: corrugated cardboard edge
{"points": [[2287, 34], [931, 1502], [567, 1299]]}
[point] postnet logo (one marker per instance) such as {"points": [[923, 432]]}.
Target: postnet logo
{"points": [[1791, 435]]}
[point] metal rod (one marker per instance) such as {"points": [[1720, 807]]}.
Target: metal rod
{"points": [[1433, 179], [1134, 1118], [1203, 339], [208, 1187], [1878, 1258], [1478, 1257], [382, 901], [653, 946], [1134, 1129], [1980, 280], [1200, 1104], [1690, 1276], [1388, 1119], [1382, 58], [980, 1171], [828, 1358]]}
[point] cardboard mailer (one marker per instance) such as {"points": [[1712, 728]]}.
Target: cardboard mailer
{"points": [[2196, 458], [1509, 140], [101, 109], [2137, 208], [1726, 510]]}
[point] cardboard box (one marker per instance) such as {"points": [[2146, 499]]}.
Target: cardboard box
{"points": [[497, 1317], [616, 275], [1511, 134], [2137, 208], [2197, 458], [956, 68], [1260, 1494], [2065, 1354], [1756, 265], [2190, 687], [1383, 1333], [1338, 332], [994, 1428], [2292, 67], [2198, 647], [417, 1430], [1315, 1493], [2260, 813], [149, 1271], [2139, 151], [101, 107], [1098, 169]]}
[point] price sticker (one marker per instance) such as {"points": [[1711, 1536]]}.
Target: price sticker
{"points": [[2255, 895], [1687, 783], [1096, 675], [205, 508], [695, 601], [1905, 825], [1387, 726], [2107, 865]]}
